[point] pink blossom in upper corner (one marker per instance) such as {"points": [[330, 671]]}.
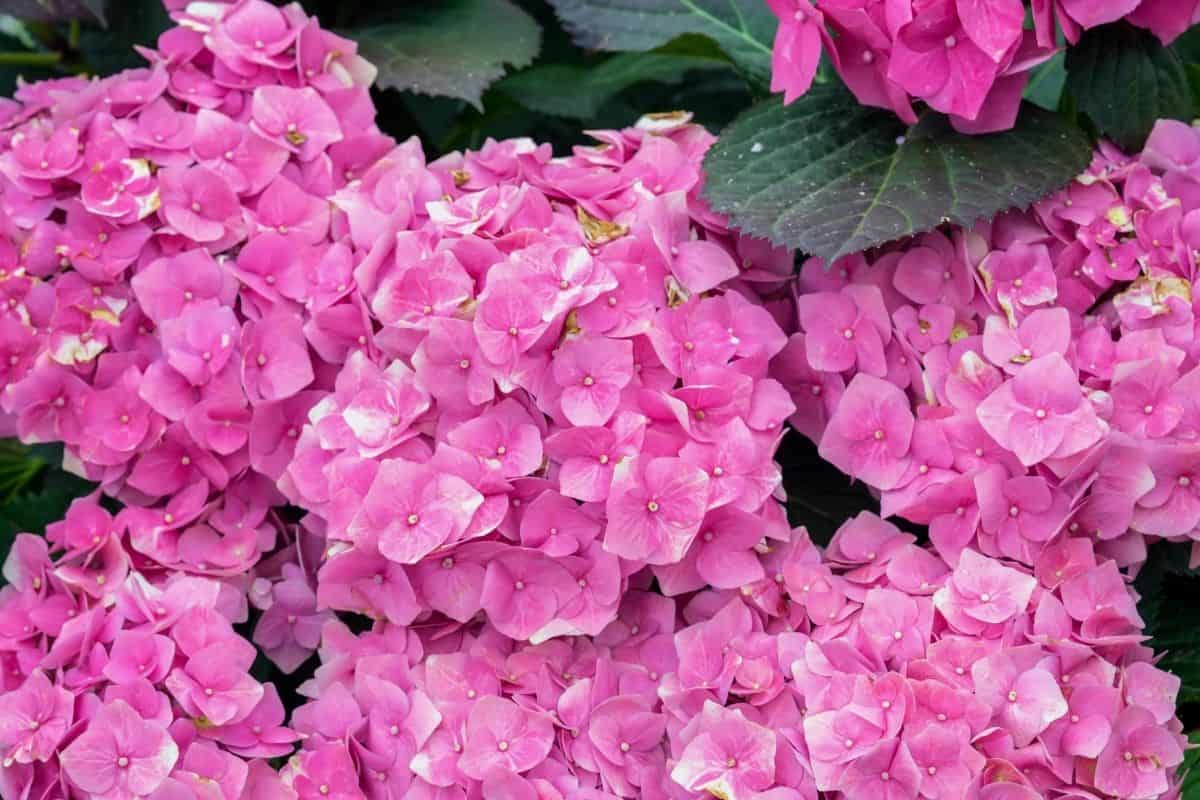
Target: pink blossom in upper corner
{"points": [[969, 59]]}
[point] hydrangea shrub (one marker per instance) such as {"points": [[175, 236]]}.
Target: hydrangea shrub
{"points": [[481, 446]]}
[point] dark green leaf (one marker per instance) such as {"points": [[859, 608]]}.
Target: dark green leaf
{"points": [[1045, 85], [1164, 559], [745, 29], [1187, 46], [1190, 769], [579, 92], [454, 48], [820, 496], [54, 10], [1175, 633], [131, 22], [31, 513], [19, 466], [21, 56], [1193, 74], [829, 176], [1124, 80]]}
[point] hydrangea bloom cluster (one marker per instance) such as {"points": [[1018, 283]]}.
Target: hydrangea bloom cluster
{"points": [[969, 59], [871, 669], [165, 234], [528, 406], [1030, 378], [557, 385], [121, 683]]}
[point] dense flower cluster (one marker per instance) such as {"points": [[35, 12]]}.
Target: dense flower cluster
{"points": [[1034, 376], [164, 234], [969, 59], [121, 686], [549, 394], [869, 670]]}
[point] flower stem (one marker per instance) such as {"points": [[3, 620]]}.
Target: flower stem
{"points": [[30, 59]]}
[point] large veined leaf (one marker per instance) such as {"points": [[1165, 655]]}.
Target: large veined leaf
{"points": [[745, 29], [1124, 79], [453, 48], [54, 10], [567, 90], [830, 177]]}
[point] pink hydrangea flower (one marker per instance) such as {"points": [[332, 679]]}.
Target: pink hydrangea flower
{"points": [[120, 755]]}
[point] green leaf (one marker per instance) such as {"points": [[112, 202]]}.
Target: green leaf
{"points": [[567, 90], [131, 22], [1190, 769], [820, 496], [1187, 46], [453, 48], [1176, 634], [19, 466], [1124, 80], [54, 10], [830, 177], [1165, 559], [1045, 85], [32, 512], [744, 29]]}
